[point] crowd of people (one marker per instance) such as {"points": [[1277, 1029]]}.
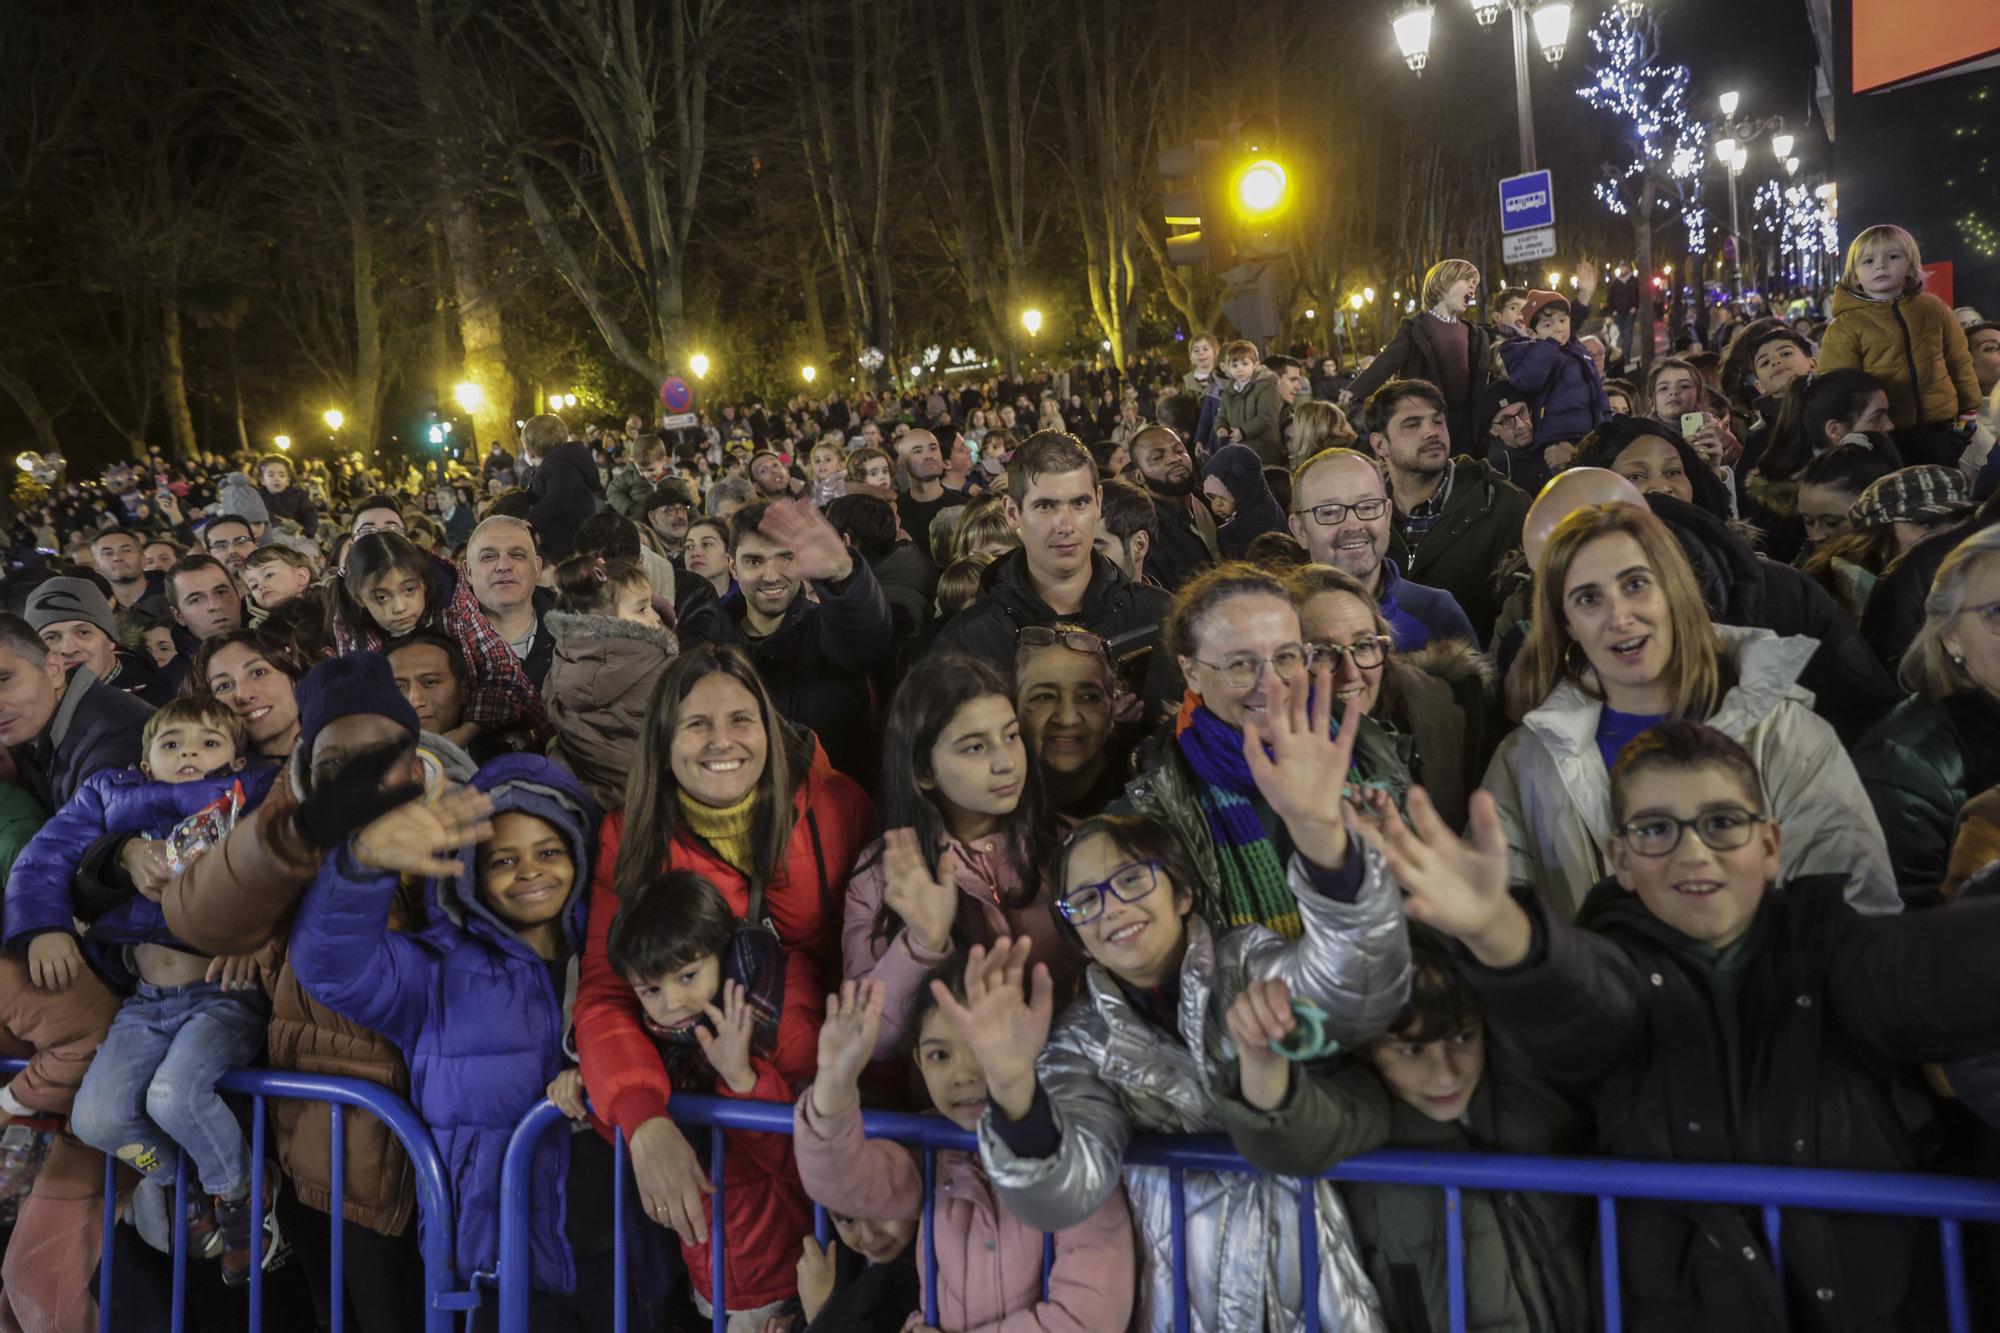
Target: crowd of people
{"points": [[1482, 752]]}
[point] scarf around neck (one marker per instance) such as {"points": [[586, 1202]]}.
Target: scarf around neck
{"points": [[1253, 888]]}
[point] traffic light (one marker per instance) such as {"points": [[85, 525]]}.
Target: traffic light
{"points": [[1225, 203], [1194, 198]]}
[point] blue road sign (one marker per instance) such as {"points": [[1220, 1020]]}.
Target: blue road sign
{"points": [[1527, 202]]}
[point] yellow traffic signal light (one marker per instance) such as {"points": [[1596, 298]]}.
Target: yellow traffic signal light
{"points": [[1262, 188]]}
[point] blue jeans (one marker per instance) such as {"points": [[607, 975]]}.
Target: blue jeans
{"points": [[149, 1094]]}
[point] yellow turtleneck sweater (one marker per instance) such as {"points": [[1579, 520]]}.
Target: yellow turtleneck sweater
{"points": [[725, 828]]}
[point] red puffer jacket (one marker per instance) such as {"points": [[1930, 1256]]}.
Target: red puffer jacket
{"points": [[622, 1068]]}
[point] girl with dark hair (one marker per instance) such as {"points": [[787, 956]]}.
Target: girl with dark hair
{"points": [[1819, 413], [1138, 1048], [726, 789], [966, 836], [390, 588]]}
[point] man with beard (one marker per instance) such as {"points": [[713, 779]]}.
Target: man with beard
{"points": [[1185, 544], [922, 461], [770, 476], [1456, 519], [1341, 514], [669, 510], [816, 654]]}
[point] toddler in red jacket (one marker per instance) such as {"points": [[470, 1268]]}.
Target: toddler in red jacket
{"points": [[733, 1013]]}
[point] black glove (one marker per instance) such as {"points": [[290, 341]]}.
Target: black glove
{"points": [[353, 796]]}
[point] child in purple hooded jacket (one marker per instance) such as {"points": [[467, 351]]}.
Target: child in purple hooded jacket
{"points": [[1565, 393]]}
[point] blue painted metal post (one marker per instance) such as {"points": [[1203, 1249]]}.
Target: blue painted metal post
{"points": [[621, 1250], [1454, 1257], [1607, 1257], [1774, 1221], [257, 1134], [1177, 1207], [1308, 1201], [180, 1243], [718, 1277], [337, 1169], [107, 1256], [1957, 1301], [930, 1238]]}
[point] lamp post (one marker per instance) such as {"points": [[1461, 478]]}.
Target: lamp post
{"points": [[1550, 19], [699, 365], [1732, 141], [334, 418]]}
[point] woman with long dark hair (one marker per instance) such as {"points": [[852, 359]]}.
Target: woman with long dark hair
{"points": [[966, 837], [725, 788], [1819, 413]]}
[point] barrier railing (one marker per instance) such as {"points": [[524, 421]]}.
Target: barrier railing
{"points": [[1950, 1201], [436, 1228]]}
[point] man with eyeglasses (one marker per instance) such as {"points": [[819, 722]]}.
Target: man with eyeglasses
{"points": [[1510, 435], [1341, 515], [1456, 519], [230, 540]]}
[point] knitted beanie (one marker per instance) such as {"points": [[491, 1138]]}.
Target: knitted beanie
{"points": [[347, 685], [239, 499], [62, 599]]}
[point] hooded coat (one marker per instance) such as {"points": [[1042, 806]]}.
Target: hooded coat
{"points": [[1564, 391], [1797, 1071], [1108, 1071], [472, 1009], [1913, 345], [599, 689], [1252, 407], [1554, 793], [567, 490], [1241, 472]]}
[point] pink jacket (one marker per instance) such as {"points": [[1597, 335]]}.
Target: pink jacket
{"points": [[899, 962], [989, 1264]]}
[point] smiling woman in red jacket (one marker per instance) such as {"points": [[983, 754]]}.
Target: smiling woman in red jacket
{"points": [[726, 789]]}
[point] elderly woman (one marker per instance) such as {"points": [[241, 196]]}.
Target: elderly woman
{"points": [[1064, 695], [1431, 703], [1935, 750], [1892, 513]]}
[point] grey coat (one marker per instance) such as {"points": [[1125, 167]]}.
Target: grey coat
{"points": [[1109, 1073]]}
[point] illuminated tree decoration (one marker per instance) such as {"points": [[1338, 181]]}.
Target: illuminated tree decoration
{"points": [[1669, 145]]}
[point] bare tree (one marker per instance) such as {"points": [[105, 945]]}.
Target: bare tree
{"points": [[635, 81]]}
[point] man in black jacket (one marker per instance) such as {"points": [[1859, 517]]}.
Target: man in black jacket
{"points": [[1186, 542], [815, 654], [564, 482], [61, 727], [1053, 501]]}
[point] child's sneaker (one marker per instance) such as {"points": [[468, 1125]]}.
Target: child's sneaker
{"points": [[238, 1252]]}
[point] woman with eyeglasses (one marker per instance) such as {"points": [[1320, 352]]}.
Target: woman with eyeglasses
{"points": [[1621, 641], [965, 839], [1067, 698], [1431, 703], [1937, 749], [1240, 646], [1142, 1048]]}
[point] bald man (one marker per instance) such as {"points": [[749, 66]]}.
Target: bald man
{"points": [[922, 461], [1850, 687]]}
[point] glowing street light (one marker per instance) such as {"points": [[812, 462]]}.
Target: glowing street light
{"points": [[1725, 149], [1261, 188], [1791, 166], [283, 441], [25, 462], [698, 364], [809, 373], [334, 418], [470, 396], [1728, 102], [1412, 25], [1031, 320], [1368, 295], [1355, 301], [1781, 146], [1552, 29], [1311, 313]]}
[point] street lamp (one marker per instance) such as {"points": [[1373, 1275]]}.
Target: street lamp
{"points": [[1031, 320], [1355, 301], [1781, 146], [334, 418], [809, 373], [1791, 166], [1729, 101], [469, 395], [283, 441], [1368, 295], [1412, 25], [698, 364]]}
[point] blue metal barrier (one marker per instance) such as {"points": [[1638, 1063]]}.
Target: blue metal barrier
{"points": [[1950, 1201], [436, 1228]]}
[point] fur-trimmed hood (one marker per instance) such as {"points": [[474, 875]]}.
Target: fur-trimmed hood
{"points": [[1780, 497], [1453, 661], [574, 628]]}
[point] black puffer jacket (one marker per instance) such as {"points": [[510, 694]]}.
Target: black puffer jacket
{"points": [[1784, 1053], [1850, 688], [1129, 615], [567, 490]]}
